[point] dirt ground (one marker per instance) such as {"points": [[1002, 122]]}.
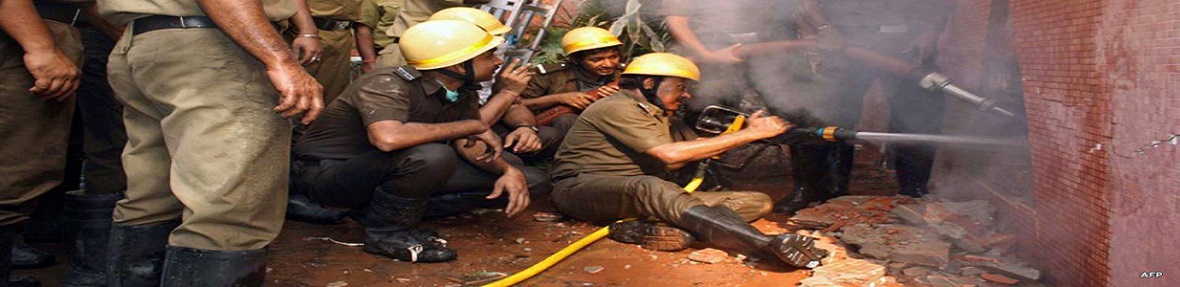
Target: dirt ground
{"points": [[489, 243]]}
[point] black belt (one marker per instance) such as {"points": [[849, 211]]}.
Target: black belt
{"points": [[160, 22], [58, 12], [331, 25]]}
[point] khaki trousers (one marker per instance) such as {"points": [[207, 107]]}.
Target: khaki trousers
{"points": [[33, 131], [332, 71], [601, 198], [204, 144]]}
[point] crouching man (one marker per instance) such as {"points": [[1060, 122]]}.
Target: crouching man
{"points": [[610, 164], [399, 136]]}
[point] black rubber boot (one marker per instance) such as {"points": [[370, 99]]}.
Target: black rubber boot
{"points": [[650, 235], [914, 164], [88, 226], [389, 230], [794, 202], [723, 227], [811, 163], [301, 208], [198, 267], [7, 237], [135, 255], [28, 257]]}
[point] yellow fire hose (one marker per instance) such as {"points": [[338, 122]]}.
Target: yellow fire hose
{"points": [[601, 232]]}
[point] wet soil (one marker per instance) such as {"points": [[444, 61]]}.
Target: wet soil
{"points": [[488, 242]]}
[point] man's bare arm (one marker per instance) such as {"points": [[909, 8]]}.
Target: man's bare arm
{"points": [[683, 34], [246, 24], [366, 47], [55, 75], [395, 135], [677, 154]]}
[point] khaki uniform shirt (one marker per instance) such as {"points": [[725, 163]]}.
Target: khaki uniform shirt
{"points": [[121, 12], [572, 79], [380, 15], [611, 136], [418, 11], [341, 132], [340, 10]]}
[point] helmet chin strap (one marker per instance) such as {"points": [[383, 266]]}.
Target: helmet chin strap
{"points": [[468, 78], [651, 96]]}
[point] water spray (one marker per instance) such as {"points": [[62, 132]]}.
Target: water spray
{"points": [[717, 119]]}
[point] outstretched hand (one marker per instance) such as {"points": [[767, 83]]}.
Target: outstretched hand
{"points": [[513, 182]]}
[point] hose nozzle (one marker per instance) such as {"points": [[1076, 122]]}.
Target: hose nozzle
{"points": [[941, 83]]}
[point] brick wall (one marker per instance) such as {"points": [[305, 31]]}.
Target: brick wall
{"points": [[1139, 59], [1099, 84], [1069, 117]]}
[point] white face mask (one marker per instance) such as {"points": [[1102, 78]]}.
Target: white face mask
{"points": [[452, 96]]}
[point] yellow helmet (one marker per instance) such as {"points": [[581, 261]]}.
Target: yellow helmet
{"points": [[478, 17], [587, 38], [663, 64], [443, 43]]}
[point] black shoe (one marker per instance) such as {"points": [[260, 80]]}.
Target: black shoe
{"points": [[301, 208], [27, 257], [650, 235], [88, 228], [408, 245], [793, 203], [7, 237], [199, 267], [135, 254]]}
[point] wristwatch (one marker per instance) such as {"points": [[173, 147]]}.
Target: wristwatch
{"points": [[531, 127]]}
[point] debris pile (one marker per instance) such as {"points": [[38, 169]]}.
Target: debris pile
{"points": [[901, 241]]}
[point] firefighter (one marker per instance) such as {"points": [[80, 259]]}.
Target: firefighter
{"points": [[400, 136], [907, 30], [590, 73], [207, 152], [509, 119], [39, 57], [610, 167]]}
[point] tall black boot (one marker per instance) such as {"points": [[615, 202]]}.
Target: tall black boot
{"points": [[136, 253], [842, 158], [914, 164], [7, 236], [88, 226], [198, 267], [723, 227], [811, 163], [389, 230]]}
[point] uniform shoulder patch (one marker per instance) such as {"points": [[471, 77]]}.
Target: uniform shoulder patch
{"points": [[408, 73], [646, 109], [550, 68]]}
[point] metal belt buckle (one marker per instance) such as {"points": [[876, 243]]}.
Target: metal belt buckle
{"points": [[894, 28], [342, 25], [751, 37]]}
